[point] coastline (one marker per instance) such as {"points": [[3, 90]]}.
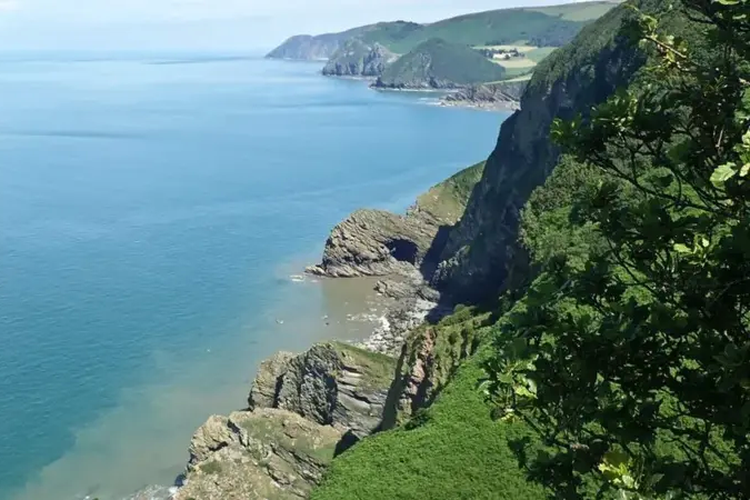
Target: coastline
{"points": [[338, 391]]}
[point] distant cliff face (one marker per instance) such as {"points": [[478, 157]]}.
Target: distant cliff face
{"points": [[309, 48], [358, 58], [483, 246]]}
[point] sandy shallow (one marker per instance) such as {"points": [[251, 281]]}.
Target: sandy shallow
{"points": [[135, 450]]}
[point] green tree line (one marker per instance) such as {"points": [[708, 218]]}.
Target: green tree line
{"points": [[630, 354]]}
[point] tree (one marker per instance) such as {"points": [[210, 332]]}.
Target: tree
{"points": [[634, 366]]}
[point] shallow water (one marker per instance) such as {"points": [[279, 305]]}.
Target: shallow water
{"points": [[151, 215]]}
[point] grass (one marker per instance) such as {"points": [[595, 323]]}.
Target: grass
{"points": [[453, 450], [445, 62], [519, 47], [553, 26], [377, 369], [447, 201], [515, 63], [512, 74], [538, 54], [578, 12]]}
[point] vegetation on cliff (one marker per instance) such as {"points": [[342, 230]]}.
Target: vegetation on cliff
{"points": [[630, 358], [616, 364], [623, 371], [439, 64], [543, 26]]}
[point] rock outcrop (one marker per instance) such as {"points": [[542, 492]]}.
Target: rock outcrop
{"points": [[357, 58], [379, 243], [490, 96], [303, 409], [263, 454], [331, 384], [375, 243]]}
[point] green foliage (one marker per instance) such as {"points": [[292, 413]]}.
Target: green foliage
{"points": [[438, 63], [546, 26], [211, 468], [447, 201], [630, 355], [453, 450]]}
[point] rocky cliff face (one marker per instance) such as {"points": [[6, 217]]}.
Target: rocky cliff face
{"points": [[357, 58], [263, 454], [303, 409], [331, 384], [489, 96], [475, 261], [379, 243], [375, 243]]}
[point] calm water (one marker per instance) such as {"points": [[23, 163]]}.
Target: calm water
{"points": [[151, 212]]}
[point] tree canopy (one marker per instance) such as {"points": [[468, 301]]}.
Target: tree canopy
{"points": [[630, 354]]}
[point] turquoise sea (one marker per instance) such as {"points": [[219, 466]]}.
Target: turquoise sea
{"points": [[152, 210]]}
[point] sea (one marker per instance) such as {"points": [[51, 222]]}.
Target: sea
{"points": [[156, 213]]}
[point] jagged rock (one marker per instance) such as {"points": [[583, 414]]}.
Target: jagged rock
{"points": [[357, 58], [302, 407], [263, 454], [331, 384], [263, 391], [375, 243], [394, 289], [505, 96]]}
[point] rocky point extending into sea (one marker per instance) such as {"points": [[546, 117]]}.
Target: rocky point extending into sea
{"points": [[304, 409]]}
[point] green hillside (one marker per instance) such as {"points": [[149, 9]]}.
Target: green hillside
{"points": [[545, 26], [439, 64], [551, 26]]}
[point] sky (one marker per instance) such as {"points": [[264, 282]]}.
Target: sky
{"points": [[207, 24]]}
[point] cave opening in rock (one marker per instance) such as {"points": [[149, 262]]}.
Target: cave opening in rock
{"points": [[403, 250]]}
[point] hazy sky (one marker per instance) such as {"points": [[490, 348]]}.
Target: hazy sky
{"points": [[210, 24]]}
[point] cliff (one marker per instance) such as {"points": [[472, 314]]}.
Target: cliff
{"points": [[303, 410], [378, 243], [308, 47], [480, 251], [357, 58], [323, 47], [504, 95], [306, 431]]}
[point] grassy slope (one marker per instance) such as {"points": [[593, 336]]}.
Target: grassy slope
{"points": [[578, 12], [447, 62], [446, 201], [453, 450], [558, 23]]}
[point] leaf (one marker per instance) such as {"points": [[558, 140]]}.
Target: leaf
{"points": [[681, 248], [745, 170], [722, 174]]}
